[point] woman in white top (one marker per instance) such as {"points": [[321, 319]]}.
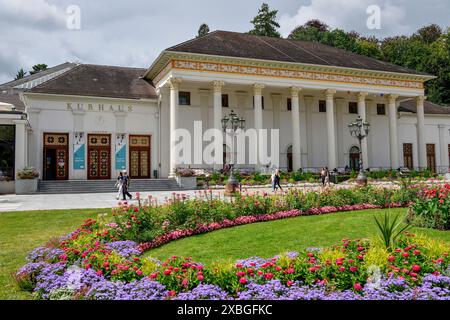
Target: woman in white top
{"points": [[119, 185]]}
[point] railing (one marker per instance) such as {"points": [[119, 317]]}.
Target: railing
{"points": [[6, 173]]}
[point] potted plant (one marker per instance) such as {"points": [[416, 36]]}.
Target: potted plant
{"points": [[186, 178], [27, 181]]}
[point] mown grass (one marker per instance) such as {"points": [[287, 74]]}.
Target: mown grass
{"points": [[267, 239], [21, 232]]}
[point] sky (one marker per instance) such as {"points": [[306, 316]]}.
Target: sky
{"points": [[134, 32]]}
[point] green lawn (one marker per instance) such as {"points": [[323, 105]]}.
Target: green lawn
{"points": [[21, 232], [267, 239]]}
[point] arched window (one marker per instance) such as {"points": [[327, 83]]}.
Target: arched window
{"points": [[354, 158], [289, 158]]}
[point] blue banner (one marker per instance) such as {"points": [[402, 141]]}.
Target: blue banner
{"points": [[121, 157], [78, 157]]}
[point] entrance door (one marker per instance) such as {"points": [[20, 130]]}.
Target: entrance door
{"points": [[140, 156], [354, 158], [431, 157], [99, 156], [289, 159], [56, 156]]}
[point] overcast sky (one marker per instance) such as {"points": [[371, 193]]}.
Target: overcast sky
{"points": [[134, 32]]}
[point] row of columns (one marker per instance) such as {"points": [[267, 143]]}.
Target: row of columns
{"points": [[296, 129]]}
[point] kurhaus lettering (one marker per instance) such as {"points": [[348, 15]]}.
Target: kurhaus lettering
{"points": [[99, 107]]}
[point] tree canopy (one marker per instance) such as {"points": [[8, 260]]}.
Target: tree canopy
{"points": [[203, 30], [265, 23], [20, 74], [38, 68]]}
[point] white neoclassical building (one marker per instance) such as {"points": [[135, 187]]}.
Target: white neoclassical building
{"points": [[91, 121]]}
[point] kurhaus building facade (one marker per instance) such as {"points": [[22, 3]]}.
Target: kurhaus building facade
{"points": [[90, 121]]}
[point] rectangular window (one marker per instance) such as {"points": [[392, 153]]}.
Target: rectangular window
{"points": [[322, 106], [289, 104], [353, 107], [225, 101], [7, 152], [184, 98], [262, 102], [431, 157], [408, 155], [381, 109]]}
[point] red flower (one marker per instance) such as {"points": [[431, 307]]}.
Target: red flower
{"points": [[240, 273], [353, 269], [239, 265], [172, 293], [268, 275], [357, 287], [405, 254], [391, 258], [200, 278], [153, 275], [416, 268], [99, 272], [342, 269], [310, 254], [416, 252], [289, 283], [243, 280], [290, 270], [167, 272], [87, 266]]}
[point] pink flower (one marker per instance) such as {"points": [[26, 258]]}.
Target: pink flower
{"points": [[289, 283], [416, 268], [268, 275], [200, 278], [353, 269], [243, 280], [167, 272], [357, 287]]}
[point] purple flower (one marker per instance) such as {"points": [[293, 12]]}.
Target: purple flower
{"points": [[44, 254], [204, 292], [125, 248]]}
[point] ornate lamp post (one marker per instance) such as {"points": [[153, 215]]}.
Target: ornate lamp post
{"points": [[360, 129], [232, 123]]}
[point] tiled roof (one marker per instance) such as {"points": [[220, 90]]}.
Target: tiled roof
{"points": [[243, 45], [429, 107], [100, 81]]}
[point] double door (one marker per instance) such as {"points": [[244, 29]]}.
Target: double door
{"points": [[99, 156], [139, 156]]}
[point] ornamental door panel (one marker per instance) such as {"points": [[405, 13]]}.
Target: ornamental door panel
{"points": [[99, 156], [408, 155], [139, 156], [56, 156]]}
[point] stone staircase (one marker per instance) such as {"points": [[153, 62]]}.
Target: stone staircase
{"points": [[104, 186]]}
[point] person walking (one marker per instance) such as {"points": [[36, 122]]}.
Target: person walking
{"points": [[327, 176], [276, 180], [126, 186], [323, 176], [119, 185]]}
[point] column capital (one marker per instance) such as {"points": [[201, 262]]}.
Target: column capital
{"points": [[329, 93], [24, 122], [391, 98], [420, 99], [174, 83], [362, 96], [217, 85], [257, 88], [295, 91]]}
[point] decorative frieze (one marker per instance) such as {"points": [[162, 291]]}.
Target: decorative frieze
{"points": [[298, 74]]}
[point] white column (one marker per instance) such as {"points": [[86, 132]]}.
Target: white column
{"points": [[421, 147], [309, 100], [362, 113], [393, 133], [331, 132], [443, 148], [20, 145], [296, 141], [257, 94], [217, 106], [174, 84]]}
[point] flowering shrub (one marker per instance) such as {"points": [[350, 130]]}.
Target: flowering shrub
{"points": [[432, 208], [28, 173]]}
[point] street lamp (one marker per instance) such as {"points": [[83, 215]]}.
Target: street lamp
{"points": [[232, 123], [360, 129]]}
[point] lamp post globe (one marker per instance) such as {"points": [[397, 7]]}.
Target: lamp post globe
{"points": [[360, 129], [232, 123]]}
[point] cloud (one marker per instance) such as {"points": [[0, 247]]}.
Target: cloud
{"points": [[38, 14], [349, 15]]}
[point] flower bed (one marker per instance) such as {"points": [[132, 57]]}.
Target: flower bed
{"points": [[102, 259], [348, 271]]}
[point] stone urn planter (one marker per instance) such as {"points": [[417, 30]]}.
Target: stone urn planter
{"points": [[186, 179], [27, 181], [188, 183], [26, 186]]}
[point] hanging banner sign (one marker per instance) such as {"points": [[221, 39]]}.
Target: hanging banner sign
{"points": [[121, 152], [79, 152]]}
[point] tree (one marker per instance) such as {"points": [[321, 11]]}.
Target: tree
{"points": [[203, 30], [312, 30], [429, 34], [20, 74], [38, 68], [265, 23]]}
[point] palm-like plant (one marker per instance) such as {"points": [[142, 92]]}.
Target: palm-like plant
{"points": [[390, 228]]}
